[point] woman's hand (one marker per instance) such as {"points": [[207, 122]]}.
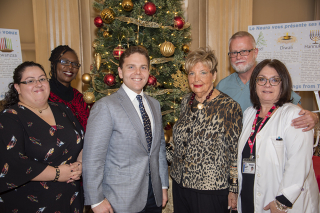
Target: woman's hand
{"points": [[78, 168], [232, 200], [272, 207], [69, 173]]}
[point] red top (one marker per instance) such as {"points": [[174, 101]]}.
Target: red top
{"points": [[77, 105]]}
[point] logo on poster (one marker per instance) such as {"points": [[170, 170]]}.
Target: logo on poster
{"points": [[8, 32]]}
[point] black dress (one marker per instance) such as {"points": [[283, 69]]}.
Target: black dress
{"points": [[27, 146]]}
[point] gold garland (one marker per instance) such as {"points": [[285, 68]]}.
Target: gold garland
{"points": [[148, 23], [160, 92], [161, 60], [167, 112]]}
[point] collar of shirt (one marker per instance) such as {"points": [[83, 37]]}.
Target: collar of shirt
{"points": [[133, 97]]}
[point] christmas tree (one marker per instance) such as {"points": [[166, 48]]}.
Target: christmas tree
{"points": [[158, 26]]}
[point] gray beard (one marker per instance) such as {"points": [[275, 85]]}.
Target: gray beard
{"points": [[244, 69]]}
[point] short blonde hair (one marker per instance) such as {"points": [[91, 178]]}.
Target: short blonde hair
{"points": [[205, 56]]}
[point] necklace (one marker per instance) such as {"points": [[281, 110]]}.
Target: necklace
{"points": [[39, 110], [200, 105]]}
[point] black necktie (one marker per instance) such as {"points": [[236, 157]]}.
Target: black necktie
{"points": [[146, 122]]}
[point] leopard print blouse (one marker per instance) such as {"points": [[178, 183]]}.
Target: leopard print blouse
{"points": [[206, 144]]}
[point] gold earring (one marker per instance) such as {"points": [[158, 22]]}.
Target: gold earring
{"points": [[213, 81]]}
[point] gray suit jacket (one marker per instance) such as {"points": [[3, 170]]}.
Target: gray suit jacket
{"points": [[115, 156]]}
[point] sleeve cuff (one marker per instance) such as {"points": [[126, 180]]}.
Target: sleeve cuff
{"points": [[95, 205], [282, 199]]}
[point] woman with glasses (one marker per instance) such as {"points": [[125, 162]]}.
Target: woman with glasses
{"points": [[64, 68], [274, 159], [40, 148]]}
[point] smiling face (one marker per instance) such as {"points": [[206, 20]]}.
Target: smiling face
{"points": [[268, 95], [65, 74], [33, 94], [242, 64], [201, 80], [135, 72]]}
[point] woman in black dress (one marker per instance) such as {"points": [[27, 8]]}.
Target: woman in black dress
{"points": [[40, 148]]}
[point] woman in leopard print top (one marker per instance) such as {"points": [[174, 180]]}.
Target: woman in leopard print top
{"points": [[205, 138]]}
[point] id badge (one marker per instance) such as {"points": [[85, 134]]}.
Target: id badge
{"points": [[248, 166]]}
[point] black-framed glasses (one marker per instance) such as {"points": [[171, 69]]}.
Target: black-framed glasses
{"points": [[242, 53], [66, 62], [34, 81], [274, 81]]}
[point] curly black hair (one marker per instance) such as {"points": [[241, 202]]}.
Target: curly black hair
{"points": [[12, 96], [56, 54]]}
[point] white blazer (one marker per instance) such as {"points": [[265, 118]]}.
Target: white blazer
{"points": [[282, 167]]}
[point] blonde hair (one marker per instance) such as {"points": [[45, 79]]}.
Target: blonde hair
{"points": [[205, 56]]}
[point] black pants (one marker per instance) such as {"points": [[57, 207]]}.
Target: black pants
{"points": [[151, 206], [189, 201]]}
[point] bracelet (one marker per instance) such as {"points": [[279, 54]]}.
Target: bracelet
{"points": [[280, 206], [57, 174]]}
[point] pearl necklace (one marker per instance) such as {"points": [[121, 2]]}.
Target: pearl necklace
{"points": [[39, 110], [200, 105]]}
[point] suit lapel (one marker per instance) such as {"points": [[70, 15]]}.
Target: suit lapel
{"points": [[155, 135], [133, 116]]}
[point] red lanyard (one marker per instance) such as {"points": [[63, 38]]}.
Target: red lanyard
{"points": [[254, 127]]}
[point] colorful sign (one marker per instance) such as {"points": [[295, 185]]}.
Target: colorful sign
{"points": [[297, 45], [10, 57]]}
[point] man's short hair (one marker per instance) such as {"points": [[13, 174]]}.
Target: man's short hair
{"points": [[242, 34], [131, 50]]}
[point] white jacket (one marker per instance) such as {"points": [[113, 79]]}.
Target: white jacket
{"points": [[282, 167]]}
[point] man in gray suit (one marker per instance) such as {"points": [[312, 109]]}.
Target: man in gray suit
{"points": [[124, 159]]}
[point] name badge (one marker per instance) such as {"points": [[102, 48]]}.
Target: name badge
{"points": [[248, 166]]}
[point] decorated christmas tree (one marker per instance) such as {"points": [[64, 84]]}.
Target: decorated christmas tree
{"points": [[157, 25]]}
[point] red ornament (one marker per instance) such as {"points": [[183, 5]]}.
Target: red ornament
{"points": [[117, 52], [98, 21], [178, 22], [167, 127], [149, 8], [152, 81], [109, 79]]}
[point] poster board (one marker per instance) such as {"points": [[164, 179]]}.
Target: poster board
{"points": [[10, 57], [297, 45]]}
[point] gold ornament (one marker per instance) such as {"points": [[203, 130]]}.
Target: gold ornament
{"points": [[127, 5], [89, 97], [166, 138], [86, 78], [185, 48], [106, 34], [181, 81], [167, 49], [97, 58], [183, 67], [95, 44], [107, 15]]}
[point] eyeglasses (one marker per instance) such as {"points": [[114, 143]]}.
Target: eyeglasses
{"points": [[272, 81], [242, 53], [34, 81], [66, 62]]}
